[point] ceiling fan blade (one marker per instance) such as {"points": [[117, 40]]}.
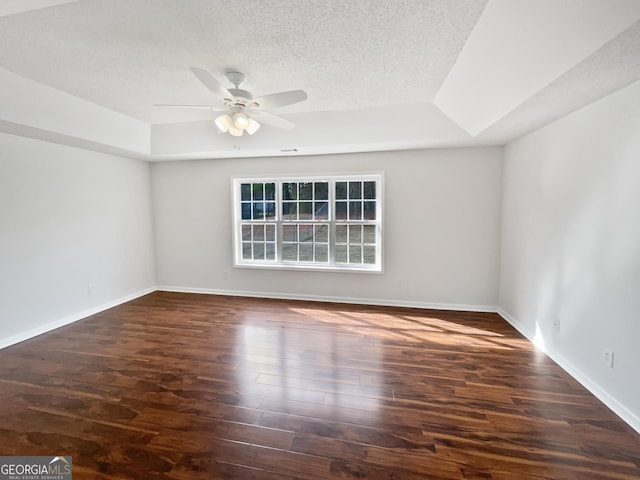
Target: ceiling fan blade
{"points": [[208, 107], [271, 119], [276, 100], [211, 83]]}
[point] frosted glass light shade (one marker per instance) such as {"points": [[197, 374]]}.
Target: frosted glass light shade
{"points": [[252, 127], [240, 120], [224, 122], [236, 132]]}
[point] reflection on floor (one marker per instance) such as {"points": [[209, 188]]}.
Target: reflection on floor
{"points": [[182, 386]]}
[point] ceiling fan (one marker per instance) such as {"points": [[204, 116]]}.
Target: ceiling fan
{"points": [[242, 111]]}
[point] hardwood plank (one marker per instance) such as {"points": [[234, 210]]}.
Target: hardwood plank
{"points": [[285, 462], [418, 460], [180, 386], [401, 438]]}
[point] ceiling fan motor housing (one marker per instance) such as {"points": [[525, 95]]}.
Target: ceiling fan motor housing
{"points": [[241, 98]]}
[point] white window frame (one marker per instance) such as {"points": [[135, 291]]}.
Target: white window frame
{"points": [[331, 264]]}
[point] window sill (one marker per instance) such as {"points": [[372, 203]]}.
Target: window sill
{"points": [[375, 269]]}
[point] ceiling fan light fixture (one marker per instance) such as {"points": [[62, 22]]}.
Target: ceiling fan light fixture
{"points": [[252, 127], [224, 122], [236, 123]]}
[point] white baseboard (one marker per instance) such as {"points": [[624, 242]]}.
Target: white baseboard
{"points": [[322, 298], [47, 327], [623, 412]]}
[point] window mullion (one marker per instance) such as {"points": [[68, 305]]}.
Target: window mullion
{"points": [[279, 214], [332, 222]]}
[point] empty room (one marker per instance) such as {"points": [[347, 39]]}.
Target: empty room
{"points": [[331, 239]]}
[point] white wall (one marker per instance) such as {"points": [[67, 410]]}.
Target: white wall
{"points": [[69, 218], [442, 228], [571, 244]]}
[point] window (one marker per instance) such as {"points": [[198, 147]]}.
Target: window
{"points": [[318, 222]]}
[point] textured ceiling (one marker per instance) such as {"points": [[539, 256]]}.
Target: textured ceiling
{"points": [[130, 54], [349, 56]]}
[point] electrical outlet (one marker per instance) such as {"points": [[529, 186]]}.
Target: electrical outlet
{"points": [[608, 357], [225, 274], [91, 289], [556, 324]]}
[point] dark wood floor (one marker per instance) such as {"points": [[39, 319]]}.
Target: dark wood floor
{"points": [[179, 386]]}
